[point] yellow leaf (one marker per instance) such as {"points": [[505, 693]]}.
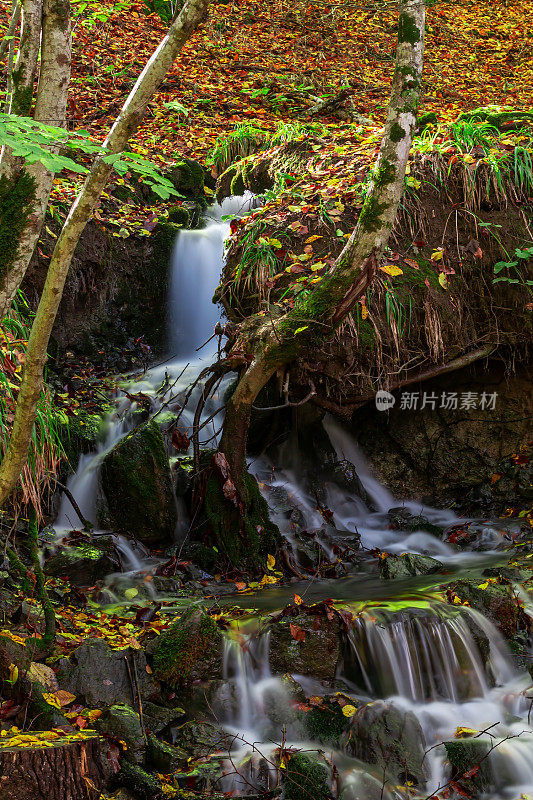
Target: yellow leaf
{"points": [[462, 733], [271, 562], [392, 269], [51, 699], [442, 280], [349, 711]]}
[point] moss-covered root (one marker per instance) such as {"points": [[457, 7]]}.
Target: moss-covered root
{"points": [[243, 537]]}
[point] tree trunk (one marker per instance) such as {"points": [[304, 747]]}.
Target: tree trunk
{"points": [[64, 771], [125, 126], [50, 109], [278, 342]]}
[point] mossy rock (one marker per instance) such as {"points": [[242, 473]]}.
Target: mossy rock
{"points": [[389, 738], [187, 177], [307, 775], [464, 755], [178, 215], [123, 723], [408, 564], [495, 601], [191, 649], [82, 564], [316, 656], [136, 483]]}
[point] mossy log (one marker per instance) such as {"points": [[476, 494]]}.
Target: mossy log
{"points": [[64, 770]]}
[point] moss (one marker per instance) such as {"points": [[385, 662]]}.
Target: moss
{"points": [[408, 30], [178, 215], [326, 724], [397, 133], [245, 540], [189, 650], [16, 203], [370, 217], [306, 776], [137, 485]]}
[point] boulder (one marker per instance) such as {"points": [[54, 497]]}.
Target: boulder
{"points": [[83, 564], [389, 738], [466, 754], [136, 485], [407, 565], [307, 775], [191, 649], [188, 178], [495, 601], [100, 675], [123, 723], [315, 655]]}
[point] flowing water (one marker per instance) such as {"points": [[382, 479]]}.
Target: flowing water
{"points": [[445, 666]]}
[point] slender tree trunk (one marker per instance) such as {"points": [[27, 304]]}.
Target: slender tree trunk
{"points": [[125, 126], [50, 109], [280, 342]]}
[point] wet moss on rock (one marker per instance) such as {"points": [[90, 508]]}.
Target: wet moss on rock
{"points": [[191, 649]]}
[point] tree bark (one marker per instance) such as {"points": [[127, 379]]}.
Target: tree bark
{"points": [[11, 31], [126, 124], [50, 109], [71, 771], [277, 343]]}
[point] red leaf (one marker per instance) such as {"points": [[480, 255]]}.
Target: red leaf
{"points": [[297, 632]]}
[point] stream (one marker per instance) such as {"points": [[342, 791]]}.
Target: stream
{"points": [[435, 665]]}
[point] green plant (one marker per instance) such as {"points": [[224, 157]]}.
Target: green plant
{"points": [[467, 134], [45, 448], [521, 256], [237, 144]]}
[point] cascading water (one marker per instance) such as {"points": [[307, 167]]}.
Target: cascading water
{"points": [[195, 273]]}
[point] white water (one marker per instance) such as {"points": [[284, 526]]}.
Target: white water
{"points": [[429, 664], [195, 273]]}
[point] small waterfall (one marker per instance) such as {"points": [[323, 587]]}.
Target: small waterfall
{"points": [[424, 657]]}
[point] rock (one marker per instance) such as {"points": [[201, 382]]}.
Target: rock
{"points": [[163, 757], [401, 519], [463, 755], [100, 675], [187, 177], [316, 656], [136, 483], [83, 564], [143, 785], [408, 564], [307, 775], [157, 718], [360, 785], [389, 738], [495, 601], [122, 722], [191, 649], [201, 738], [325, 723]]}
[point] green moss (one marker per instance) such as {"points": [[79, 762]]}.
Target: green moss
{"points": [[397, 133], [190, 649], [325, 724], [306, 776], [16, 204], [242, 541], [370, 217], [408, 30]]}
